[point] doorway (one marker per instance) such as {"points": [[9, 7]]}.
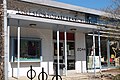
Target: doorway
{"points": [[70, 50]]}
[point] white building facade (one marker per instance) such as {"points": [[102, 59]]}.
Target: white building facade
{"points": [[45, 33]]}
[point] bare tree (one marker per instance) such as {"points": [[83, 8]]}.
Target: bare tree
{"points": [[112, 28], [112, 19]]}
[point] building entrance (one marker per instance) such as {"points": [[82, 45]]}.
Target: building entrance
{"points": [[70, 51], [70, 55]]}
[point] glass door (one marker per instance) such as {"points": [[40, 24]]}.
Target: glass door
{"points": [[70, 55], [61, 54]]}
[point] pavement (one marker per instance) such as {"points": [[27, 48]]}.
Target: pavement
{"points": [[69, 77], [75, 76], [78, 76]]}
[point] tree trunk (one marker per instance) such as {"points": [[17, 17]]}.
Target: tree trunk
{"points": [[1, 43]]}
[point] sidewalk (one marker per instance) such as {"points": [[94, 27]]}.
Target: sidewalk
{"points": [[80, 76], [106, 75]]}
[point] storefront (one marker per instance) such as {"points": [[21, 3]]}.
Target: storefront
{"points": [[110, 56], [46, 34]]}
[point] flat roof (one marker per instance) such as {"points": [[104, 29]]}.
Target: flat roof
{"points": [[65, 6], [43, 20]]}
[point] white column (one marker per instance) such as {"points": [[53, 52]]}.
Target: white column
{"points": [[99, 50], [58, 53], [94, 52], [108, 53], [8, 46], [65, 53], [5, 40], [18, 56]]}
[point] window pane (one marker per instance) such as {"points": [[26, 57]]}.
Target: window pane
{"points": [[29, 50]]}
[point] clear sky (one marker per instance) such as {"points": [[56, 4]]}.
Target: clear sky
{"points": [[94, 4]]}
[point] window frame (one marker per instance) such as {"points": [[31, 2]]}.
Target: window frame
{"points": [[12, 49]]}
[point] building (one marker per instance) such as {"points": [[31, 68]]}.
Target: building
{"points": [[43, 33]]}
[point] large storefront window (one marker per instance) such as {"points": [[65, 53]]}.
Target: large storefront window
{"points": [[110, 52], [89, 50], [104, 57], [114, 53], [30, 49], [90, 57]]}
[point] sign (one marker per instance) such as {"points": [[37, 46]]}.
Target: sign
{"points": [[50, 16], [81, 49]]}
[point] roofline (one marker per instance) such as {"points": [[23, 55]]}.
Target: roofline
{"points": [[61, 5], [37, 19]]}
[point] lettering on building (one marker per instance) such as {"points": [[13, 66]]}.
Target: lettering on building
{"points": [[81, 49], [50, 16]]}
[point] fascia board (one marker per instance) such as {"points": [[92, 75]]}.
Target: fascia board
{"points": [[30, 18]]}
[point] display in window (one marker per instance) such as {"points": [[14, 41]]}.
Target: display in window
{"points": [[30, 49]]}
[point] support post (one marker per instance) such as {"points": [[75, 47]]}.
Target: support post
{"points": [[65, 53], [108, 53], [99, 50], [5, 41], [8, 46], [58, 53], [18, 56], [94, 53]]}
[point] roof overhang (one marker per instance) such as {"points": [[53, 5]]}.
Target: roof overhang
{"points": [[25, 21], [65, 6]]}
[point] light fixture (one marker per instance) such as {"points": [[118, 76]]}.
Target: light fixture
{"points": [[32, 25], [73, 29]]}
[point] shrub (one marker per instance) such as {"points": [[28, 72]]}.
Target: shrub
{"points": [[117, 77]]}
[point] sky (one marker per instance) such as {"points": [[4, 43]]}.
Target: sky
{"points": [[93, 4]]}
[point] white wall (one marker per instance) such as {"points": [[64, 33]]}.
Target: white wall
{"points": [[80, 52], [47, 50]]}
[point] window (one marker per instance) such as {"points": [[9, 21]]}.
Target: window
{"points": [[91, 18], [30, 49]]}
